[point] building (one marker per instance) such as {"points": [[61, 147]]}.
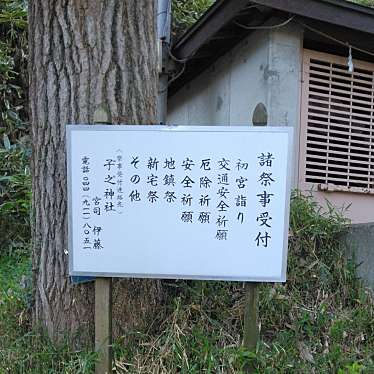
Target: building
{"points": [[308, 64]]}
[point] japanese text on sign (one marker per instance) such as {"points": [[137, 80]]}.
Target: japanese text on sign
{"points": [[191, 202]]}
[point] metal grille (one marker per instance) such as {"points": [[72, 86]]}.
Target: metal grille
{"points": [[337, 138]]}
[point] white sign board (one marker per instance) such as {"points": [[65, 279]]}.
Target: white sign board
{"points": [[193, 202]]}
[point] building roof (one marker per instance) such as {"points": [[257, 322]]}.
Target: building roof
{"points": [[329, 26]]}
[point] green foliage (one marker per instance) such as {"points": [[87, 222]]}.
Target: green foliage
{"points": [[13, 15], [15, 183], [369, 3], [13, 61], [321, 320], [15, 197], [186, 13], [23, 350]]}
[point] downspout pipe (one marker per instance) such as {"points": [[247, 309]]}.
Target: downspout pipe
{"points": [[163, 44]]}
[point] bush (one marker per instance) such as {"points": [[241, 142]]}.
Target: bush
{"points": [[15, 196], [320, 321], [186, 13], [15, 182]]}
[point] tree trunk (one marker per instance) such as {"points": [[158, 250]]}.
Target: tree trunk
{"points": [[83, 53]]}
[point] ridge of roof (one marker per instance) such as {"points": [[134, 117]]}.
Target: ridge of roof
{"points": [[216, 31], [283, 5]]}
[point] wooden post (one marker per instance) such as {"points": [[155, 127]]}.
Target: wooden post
{"points": [[103, 296], [103, 325], [251, 331]]}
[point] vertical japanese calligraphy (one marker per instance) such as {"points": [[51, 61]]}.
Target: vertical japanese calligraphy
{"points": [[203, 202], [265, 181], [218, 176]]}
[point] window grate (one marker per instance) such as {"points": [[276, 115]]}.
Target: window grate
{"points": [[337, 122]]}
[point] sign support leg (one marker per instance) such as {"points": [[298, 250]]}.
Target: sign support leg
{"points": [[251, 331], [103, 294], [103, 325]]}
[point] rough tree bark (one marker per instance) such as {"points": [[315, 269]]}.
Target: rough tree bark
{"points": [[83, 53]]}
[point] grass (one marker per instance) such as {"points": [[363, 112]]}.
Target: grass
{"points": [[23, 350], [320, 321]]}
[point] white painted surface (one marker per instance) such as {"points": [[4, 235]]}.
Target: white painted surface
{"points": [[149, 239]]}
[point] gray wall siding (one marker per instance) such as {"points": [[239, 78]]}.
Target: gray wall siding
{"points": [[359, 247], [284, 83], [265, 67], [228, 91], [284, 76]]}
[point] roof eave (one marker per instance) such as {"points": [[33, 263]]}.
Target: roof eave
{"points": [[210, 23], [336, 12]]}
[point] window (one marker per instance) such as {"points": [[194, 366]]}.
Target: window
{"points": [[337, 124]]}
